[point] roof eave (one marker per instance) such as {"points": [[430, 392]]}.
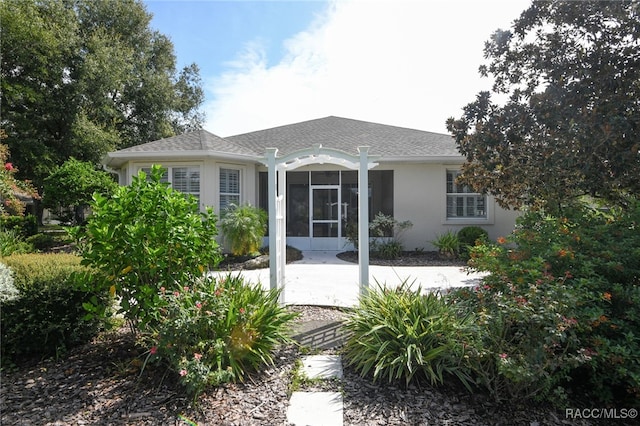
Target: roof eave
{"points": [[117, 159], [432, 159]]}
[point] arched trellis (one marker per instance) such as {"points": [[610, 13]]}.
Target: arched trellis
{"points": [[277, 168]]}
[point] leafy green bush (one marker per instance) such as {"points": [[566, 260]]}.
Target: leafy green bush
{"points": [[389, 250], [69, 189], [11, 242], [41, 241], [447, 244], [564, 289], [402, 334], [147, 236], [25, 226], [8, 290], [468, 237], [216, 329], [243, 227], [48, 316]]}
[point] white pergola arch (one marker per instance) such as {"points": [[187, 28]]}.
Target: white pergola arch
{"points": [[277, 204]]}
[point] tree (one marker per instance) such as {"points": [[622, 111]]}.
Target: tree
{"points": [[83, 77], [570, 125], [11, 189], [73, 185]]}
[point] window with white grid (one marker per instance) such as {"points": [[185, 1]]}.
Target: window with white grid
{"points": [[229, 187], [462, 202], [184, 179]]}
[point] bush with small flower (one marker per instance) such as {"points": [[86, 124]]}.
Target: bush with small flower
{"points": [[560, 310], [145, 236], [216, 329]]}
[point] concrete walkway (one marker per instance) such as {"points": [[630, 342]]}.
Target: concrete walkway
{"points": [[322, 279]]}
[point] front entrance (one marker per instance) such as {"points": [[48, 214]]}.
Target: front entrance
{"points": [[326, 217]]}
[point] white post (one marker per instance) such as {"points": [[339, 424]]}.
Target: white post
{"points": [[363, 219], [273, 217], [282, 234]]}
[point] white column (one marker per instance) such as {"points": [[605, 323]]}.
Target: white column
{"points": [[273, 217], [282, 229], [363, 219]]}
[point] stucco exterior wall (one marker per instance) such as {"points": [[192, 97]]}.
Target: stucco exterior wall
{"points": [[209, 178], [420, 196]]}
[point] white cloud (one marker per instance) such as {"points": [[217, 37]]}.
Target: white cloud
{"points": [[404, 63]]}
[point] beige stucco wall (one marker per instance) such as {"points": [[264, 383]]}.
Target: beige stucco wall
{"points": [[209, 177], [420, 196]]}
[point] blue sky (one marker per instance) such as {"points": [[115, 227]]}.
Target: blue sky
{"points": [[407, 63]]}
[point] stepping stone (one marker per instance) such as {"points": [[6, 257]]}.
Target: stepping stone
{"points": [[315, 409], [322, 367]]}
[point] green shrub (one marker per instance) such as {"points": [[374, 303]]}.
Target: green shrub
{"points": [[389, 250], [243, 228], [525, 342], [447, 244], [41, 241], [8, 290], [217, 329], [402, 334], [569, 284], [147, 236], [48, 316], [468, 237], [11, 242], [25, 226]]}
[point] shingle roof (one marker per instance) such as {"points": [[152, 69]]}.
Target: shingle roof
{"points": [[386, 142], [346, 135], [199, 140]]}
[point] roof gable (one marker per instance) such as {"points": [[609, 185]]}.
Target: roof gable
{"points": [[346, 135]]}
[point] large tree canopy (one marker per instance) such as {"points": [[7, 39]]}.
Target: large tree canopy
{"points": [[567, 124], [82, 77]]}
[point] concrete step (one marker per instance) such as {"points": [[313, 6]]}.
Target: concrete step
{"points": [[322, 367], [317, 408]]}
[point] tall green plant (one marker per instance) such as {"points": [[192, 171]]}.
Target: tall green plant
{"points": [[217, 329], [402, 334], [148, 236], [243, 228]]}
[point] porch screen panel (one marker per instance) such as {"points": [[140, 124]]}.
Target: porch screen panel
{"points": [[297, 204], [380, 196], [229, 188]]}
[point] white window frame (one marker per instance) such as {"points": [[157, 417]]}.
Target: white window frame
{"points": [[226, 193], [466, 194], [169, 175]]}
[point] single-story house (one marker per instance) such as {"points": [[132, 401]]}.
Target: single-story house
{"points": [[411, 177]]}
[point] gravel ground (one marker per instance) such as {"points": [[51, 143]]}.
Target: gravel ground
{"points": [[101, 383]]}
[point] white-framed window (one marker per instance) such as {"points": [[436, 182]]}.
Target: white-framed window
{"points": [[229, 187], [462, 201], [185, 179]]}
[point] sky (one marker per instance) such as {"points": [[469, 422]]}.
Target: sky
{"points": [[407, 63]]}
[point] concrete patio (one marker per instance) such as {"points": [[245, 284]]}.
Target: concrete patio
{"points": [[322, 279]]}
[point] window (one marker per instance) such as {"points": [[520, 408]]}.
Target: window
{"points": [[462, 202], [183, 179], [229, 187], [186, 180]]}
